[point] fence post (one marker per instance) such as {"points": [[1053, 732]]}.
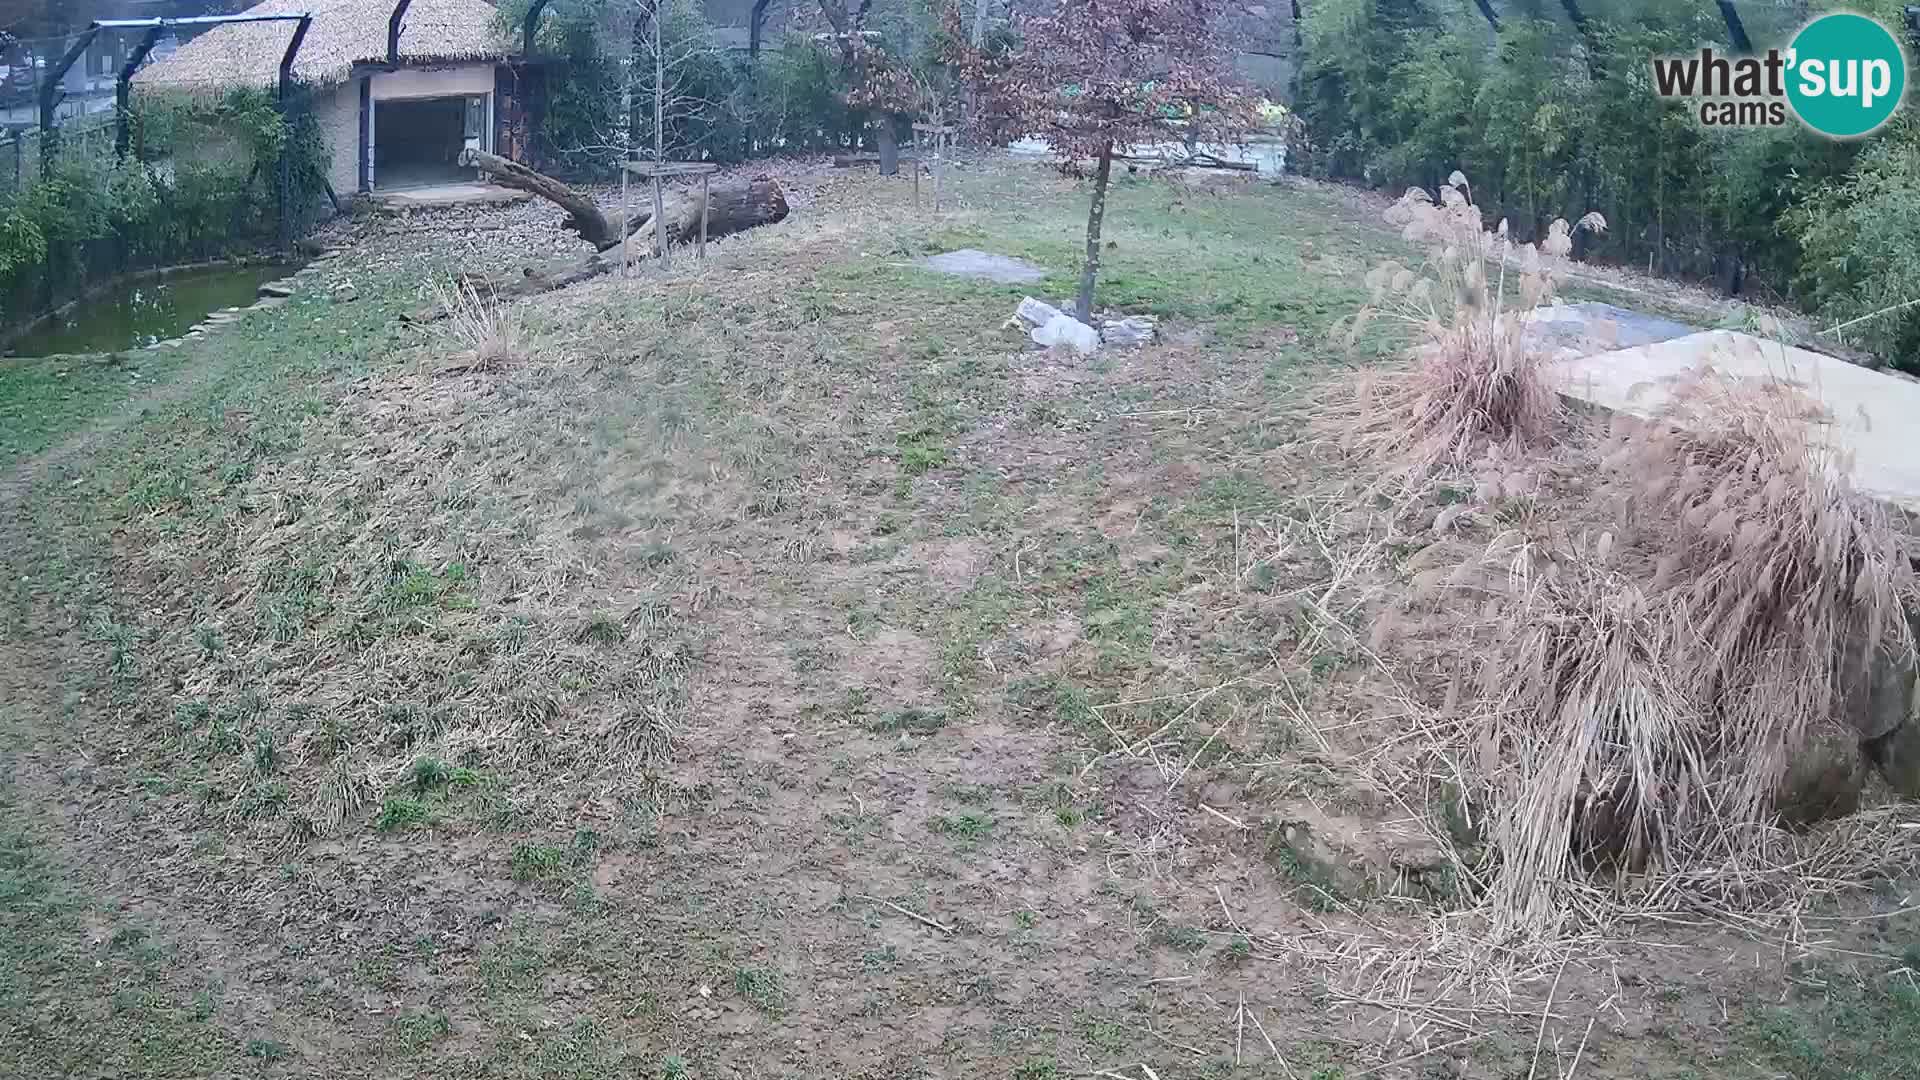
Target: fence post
{"points": [[284, 105], [123, 90], [50, 97]]}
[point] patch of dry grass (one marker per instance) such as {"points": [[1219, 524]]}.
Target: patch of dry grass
{"points": [[1473, 380], [1656, 642], [480, 327], [1651, 676]]}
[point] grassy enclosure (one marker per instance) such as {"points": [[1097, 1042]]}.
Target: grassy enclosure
{"points": [[773, 668]]}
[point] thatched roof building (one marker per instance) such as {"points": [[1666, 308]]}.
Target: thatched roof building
{"points": [[344, 33], [390, 122]]}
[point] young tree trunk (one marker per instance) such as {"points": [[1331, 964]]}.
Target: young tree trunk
{"points": [[1083, 306], [756, 24], [886, 143]]}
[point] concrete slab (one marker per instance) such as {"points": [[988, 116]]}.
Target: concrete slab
{"points": [[436, 196], [970, 263], [1872, 414]]}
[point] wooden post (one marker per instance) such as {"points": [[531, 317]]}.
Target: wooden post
{"points": [[916, 175], [659, 222], [939, 169], [657, 171], [626, 178]]}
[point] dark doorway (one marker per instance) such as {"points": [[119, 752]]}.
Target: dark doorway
{"points": [[417, 142]]}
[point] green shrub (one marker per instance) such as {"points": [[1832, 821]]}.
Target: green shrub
{"points": [[1860, 247], [169, 201], [1551, 123]]}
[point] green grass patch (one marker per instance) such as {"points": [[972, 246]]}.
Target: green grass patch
{"points": [[763, 988], [967, 830], [1847, 1029]]}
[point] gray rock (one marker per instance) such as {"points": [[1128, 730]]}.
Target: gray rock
{"points": [[1825, 779], [1896, 756], [1036, 312], [1133, 330], [345, 293], [1066, 330], [968, 262], [276, 290], [1879, 688]]}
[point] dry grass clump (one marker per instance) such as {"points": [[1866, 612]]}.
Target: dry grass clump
{"points": [[1474, 380], [1789, 586], [1645, 691], [480, 327]]}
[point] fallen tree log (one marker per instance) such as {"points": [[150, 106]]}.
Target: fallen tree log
{"points": [[731, 208], [583, 216]]}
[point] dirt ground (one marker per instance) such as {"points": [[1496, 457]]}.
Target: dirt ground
{"points": [[775, 668]]}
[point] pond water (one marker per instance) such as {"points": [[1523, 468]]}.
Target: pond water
{"points": [[139, 312]]}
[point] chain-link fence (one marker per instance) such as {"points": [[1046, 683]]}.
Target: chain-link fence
{"points": [[146, 174]]}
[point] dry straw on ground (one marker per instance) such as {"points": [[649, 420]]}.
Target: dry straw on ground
{"points": [[1655, 651]]}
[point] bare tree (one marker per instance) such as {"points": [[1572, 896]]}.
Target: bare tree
{"points": [[661, 45]]}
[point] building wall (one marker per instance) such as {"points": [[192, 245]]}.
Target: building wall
{"points": [[337, 109], [433, 82]]}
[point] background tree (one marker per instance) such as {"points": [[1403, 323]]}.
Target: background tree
{"points": [[641, 75], [1096, 78], [877, 47]]}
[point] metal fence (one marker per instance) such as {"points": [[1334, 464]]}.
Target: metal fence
{"points": [[20, 149], [194, 202]]}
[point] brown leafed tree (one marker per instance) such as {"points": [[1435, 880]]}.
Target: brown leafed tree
{"points": [[877, 82], [1096, 78]]}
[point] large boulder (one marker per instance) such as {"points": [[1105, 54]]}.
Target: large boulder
{"points": [[1880, 705], [1825, 780]]}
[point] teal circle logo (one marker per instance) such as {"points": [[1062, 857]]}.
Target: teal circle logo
{"points": [[1845, 75]]}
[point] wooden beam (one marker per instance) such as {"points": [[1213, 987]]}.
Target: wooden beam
{"points": [[671, 168], [1736, 32], [393, 30], [50, 97], [123, 90], [293, 50]]}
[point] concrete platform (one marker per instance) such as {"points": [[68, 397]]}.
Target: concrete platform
{"points": [[437, 196], [1874, 415]]}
